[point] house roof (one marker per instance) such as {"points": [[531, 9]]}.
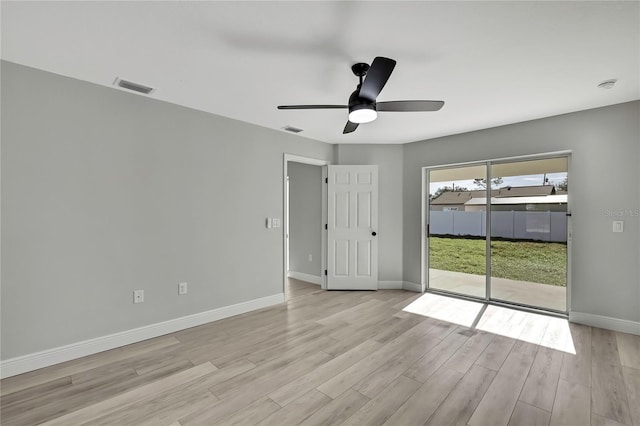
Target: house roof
{"points": [[548, 199], [523, 191], [463, 197], [452, 198]]}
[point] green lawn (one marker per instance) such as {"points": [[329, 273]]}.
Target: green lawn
{"points": [[537, 262]]}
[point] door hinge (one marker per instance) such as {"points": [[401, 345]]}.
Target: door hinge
{"points": [[326, 180], [325, 272]]}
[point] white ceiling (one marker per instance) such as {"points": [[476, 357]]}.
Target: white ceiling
{"points": [[493, 63]]}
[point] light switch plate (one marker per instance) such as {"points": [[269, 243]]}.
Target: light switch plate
{"points": [[618, 226]]}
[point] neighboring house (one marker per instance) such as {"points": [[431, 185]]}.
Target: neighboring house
{"points": [[452, 200], [523, 198]]}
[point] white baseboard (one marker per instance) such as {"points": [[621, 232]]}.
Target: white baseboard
{"points": [[616, 324], [390, 285], [30, 362], [313, 279], [409, 286]]}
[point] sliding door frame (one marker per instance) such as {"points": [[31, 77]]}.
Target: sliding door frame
{"points": [[426, 221]]}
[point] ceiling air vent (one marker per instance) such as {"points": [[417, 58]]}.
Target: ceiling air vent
{"points": [[291, 129], [129, 85]]}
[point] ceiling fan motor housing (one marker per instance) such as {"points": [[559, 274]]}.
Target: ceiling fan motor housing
{"points": [[356, 102]]}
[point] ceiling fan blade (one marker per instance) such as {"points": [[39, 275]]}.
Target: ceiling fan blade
{"points": [[409, 106], [312, 106], [376, 77], [350, 127]]}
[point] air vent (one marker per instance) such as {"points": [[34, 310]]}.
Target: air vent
{"points": [[291, 129], [129, 85]]}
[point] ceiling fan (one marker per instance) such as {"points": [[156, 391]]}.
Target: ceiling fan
{"points": [[362, 106]]}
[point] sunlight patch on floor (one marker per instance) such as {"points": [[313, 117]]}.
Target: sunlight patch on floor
{"points": [[457, 311], [530, 327]]}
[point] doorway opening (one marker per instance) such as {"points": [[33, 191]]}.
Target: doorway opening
{"points": [[303, 229], [499, 231]]}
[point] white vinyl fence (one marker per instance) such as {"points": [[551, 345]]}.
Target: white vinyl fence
{"points": [[517, 225]]}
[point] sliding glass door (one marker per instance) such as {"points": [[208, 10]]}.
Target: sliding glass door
{"points": [[497, 230], [457, 234], [529, 233]]}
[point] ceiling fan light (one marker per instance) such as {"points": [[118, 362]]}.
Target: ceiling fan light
{"points": [[365, 114]]}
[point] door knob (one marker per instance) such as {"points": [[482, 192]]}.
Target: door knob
{"points": [[374, 233]]}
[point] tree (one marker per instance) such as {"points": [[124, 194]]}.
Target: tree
{"points": [[445, 188], [564, 185], [482, 183]]}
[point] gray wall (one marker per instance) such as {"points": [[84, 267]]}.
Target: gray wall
{"points": [[604, 177], [104, 192], [305, 218], [389, 161]]}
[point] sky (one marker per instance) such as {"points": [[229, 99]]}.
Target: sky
{"points": [[513, 181]]}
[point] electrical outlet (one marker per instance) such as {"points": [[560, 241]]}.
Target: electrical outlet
{"points": [[138, 296], [275, 222], [182, 288], [618, 226]]}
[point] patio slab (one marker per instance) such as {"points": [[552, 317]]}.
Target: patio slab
{"points": [[524, 292]]}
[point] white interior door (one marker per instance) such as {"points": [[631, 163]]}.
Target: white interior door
{"points": [[352, 226]]}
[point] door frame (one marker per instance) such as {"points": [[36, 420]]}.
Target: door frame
{"points": [[285, 221], [424, 261]]}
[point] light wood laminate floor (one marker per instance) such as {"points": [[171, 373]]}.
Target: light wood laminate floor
{"points": [[354, 358]]}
